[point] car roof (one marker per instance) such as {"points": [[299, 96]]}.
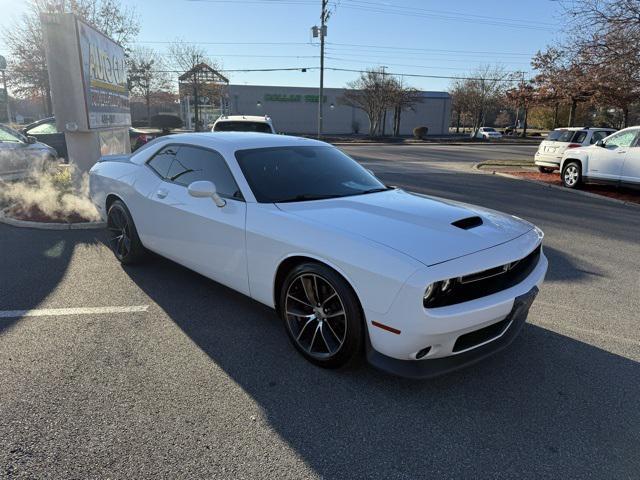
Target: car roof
{"points": [[243, 118], [576, 129], [241, 140]]}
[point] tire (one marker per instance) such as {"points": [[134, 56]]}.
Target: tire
{"points": [[546, 169], [316, 328], [572, 175], [123, 236]]}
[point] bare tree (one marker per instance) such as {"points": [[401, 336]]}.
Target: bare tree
{"points": [[24, 39], [460, 103], [148, 76], [478, 93], [200, 77], [403, 98], [523, 96], [372, 92]]}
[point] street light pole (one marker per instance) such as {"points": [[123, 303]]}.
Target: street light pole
{"points": [[323, 30]]}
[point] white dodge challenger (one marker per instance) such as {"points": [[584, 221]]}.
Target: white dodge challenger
{"points": [[423, 285]]}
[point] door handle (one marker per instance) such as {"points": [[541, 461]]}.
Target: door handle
{"points": [[161, 193], [620, 152]]}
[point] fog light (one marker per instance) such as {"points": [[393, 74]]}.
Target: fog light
{"points": [[422, 352]]}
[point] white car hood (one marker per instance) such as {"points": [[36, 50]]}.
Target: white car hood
{"points": [[416, 225]]}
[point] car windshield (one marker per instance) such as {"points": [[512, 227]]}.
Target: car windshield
{"points": [[9, 135], [291, 174], [561, 135], [260, 127]]}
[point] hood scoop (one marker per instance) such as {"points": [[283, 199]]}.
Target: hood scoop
{"points": [[468, 223]]}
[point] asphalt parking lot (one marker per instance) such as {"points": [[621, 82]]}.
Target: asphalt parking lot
{"points": [[161, 373]]}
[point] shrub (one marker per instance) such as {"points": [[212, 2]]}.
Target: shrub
{"points": [[165, 121], [420, 132]]}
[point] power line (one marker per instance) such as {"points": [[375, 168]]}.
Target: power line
{"points": [[335, 69]]}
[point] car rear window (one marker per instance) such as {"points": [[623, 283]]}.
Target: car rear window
{"points": [[561, 135], [242, 127]]}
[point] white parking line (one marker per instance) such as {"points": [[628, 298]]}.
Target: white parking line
{"points": [[46, 312]]}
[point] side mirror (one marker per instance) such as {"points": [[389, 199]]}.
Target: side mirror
{"points": [[600, 143], [31, 139], [205, 189]]}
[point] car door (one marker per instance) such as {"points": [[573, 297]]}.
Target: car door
{"points": [[47, 133], [14, 157], [606, 162], [194, 231], [631, 167]]}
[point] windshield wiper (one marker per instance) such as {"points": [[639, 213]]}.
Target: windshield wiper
{"points": [[304, 197]]}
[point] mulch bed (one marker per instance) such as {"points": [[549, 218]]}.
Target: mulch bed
{"points": [[34, 214], [620, 193]]}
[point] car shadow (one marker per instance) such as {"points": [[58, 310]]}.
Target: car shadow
{"points": [[548, 406], [33, 263]]}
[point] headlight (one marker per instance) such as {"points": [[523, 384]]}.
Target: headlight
{"points": [[437, 291], [428, 292]]}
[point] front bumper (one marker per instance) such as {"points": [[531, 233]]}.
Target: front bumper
{"points": [[422, 369]]}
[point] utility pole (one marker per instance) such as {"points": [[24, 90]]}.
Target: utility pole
{"points": [[384, 117], [3, 67], [324, 16], [196, 108]]}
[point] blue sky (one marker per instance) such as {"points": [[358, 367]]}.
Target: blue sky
{"points": [[409, 37]]}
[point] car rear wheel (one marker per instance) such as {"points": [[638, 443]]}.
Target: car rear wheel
{"points": [[322, 315], [572, 175], [123, 236]]}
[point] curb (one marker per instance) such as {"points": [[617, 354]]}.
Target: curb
{"points": [[14, 222], [562, 189]]}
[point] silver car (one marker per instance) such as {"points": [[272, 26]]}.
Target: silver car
{"points": [[20, 155]]}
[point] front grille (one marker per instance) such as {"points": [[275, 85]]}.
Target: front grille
{"points": [[487, 282], [472, 339]]}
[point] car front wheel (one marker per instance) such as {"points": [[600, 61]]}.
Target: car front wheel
{"points": [[322, 315], [572, 175], [123, 236]]}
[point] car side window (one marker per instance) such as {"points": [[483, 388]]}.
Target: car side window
{"points": [[622, 139], [579, 137], [43, 129], [192, 164], [161, 161], [598, 136]]}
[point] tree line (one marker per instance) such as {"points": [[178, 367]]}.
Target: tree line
{"points": [[589, 78], [151, 76]]}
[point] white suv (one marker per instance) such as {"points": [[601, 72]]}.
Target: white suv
{"points": [[559, 140], [614, 160], [243, 123]]}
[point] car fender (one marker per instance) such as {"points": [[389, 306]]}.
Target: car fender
{"points": [[375, 272], [575, 154]]}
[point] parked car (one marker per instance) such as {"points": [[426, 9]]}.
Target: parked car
{"points": [[488, 133], [613, 160], [243, 123], [424, 285], [20, 155], [551, 150], [46, 131]]}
